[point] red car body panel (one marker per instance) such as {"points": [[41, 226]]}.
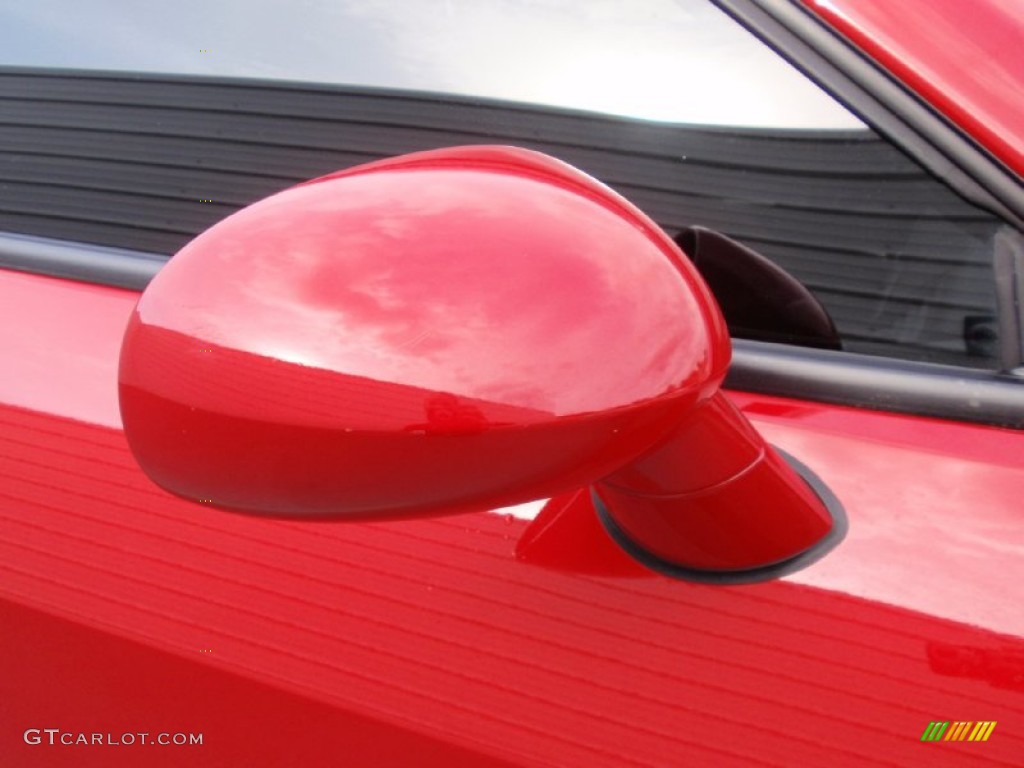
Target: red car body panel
{"points": [[489, 639], [975, 79], [485, 638]]}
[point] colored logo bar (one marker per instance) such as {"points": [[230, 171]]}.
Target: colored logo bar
{"points": [[959, 730]]}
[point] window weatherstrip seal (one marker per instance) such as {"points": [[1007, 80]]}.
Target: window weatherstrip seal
{"points": [[878, 383], [105, 265]]}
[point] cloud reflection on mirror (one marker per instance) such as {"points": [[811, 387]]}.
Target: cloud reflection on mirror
{"points": [[465, 284]]}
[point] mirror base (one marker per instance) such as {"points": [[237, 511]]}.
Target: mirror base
{"points": [[801, 560]]}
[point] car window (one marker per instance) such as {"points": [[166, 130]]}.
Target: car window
{"points": [[673, 105]]}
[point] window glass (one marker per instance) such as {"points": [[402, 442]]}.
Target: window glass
{"points": [[671, 103], [671, 60]]}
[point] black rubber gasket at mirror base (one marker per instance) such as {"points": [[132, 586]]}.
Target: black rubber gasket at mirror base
{"points": [[840, 526]]}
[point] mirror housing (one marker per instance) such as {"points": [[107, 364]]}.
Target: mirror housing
{"points": [[448, 331]]}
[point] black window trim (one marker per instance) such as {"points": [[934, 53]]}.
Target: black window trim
{"points": [[878, 383], [883, 102]]}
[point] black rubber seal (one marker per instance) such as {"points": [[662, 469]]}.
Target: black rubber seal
{"points": [[840, 526]]}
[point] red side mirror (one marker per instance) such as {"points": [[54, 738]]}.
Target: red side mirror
{"points": [[452, 330]]}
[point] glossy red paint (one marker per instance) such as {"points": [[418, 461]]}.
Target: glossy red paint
{"points": [[450, 330], [83, 329], [715, 496], [966, 59], [447, 330], [483, 638]]}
